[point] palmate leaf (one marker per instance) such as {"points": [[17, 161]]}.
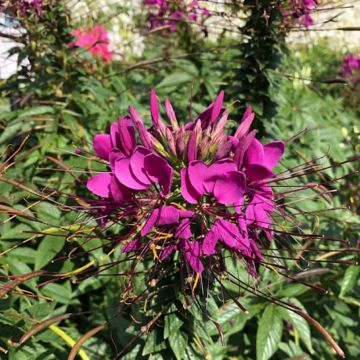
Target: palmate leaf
{"points": [[269, 333]]}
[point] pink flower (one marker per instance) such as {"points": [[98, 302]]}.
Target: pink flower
{"points": [[189, 188], [95, 41], [351, 65], [161, 13]]}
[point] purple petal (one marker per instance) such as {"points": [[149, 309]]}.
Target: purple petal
{"points": [[126, 177], [255, 153], [183, 231], [193, 256], [102, 146], [100, 184], [150, 222], [171, 114], [230, 187], [154, 108], [168, 215], [273, 153], [126, 135], [187, 190], [209, 242], [215, 171], [137, 164], [257, 172], [167, 252], [159, 171], [242, 147], [115, 136], [191, 147], [118, 191], [246, 122], [186, 213], [230, 235], [114, 156], [132, 246], [197, 173], [143, 133], [217, 107]]}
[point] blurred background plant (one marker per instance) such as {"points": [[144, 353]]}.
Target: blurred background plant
{"points": [[62, 95]]}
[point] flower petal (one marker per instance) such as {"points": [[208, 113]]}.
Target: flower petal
{"points": [[150, 222], [137, 164], [159, 171], [102, 146], [167, 252], [257, 172], [217, 107], [118, 191], [197, 172], [132, 246], [126, 177], [183, 231], [100, 184], [230, 187], [255, 153], [273, 153], [187, 190], [209, 242], [168, 215], [215, 171]]}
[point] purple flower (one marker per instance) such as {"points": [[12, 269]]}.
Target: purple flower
{"points": [[191, 188], [351, 66], [170, 13]]}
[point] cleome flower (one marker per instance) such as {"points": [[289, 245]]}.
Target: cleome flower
{"points": [[169, 13], [188, 188], [95, 41]]}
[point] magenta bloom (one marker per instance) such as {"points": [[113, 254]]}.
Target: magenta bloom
{"points": [[188, 188], [351, 66], [301, 11], [95, 41], [170, 13]]}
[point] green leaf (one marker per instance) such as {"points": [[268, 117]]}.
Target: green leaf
{"points": [[172, 325], [349, 279], [49, 247], [269, 333], [154, 343], [60, 293], [175, 80], [178, 342], [300, 325]]}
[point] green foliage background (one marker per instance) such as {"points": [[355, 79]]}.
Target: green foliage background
{"points": [[63, 105]]}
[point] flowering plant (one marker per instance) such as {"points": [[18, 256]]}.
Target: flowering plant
{"points": [[300, 10], [350, 65], [95, 41], [168, 13], [191, 189], [23, 5]]}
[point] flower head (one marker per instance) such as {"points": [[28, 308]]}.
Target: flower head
{"points": [[168, 13], [95, 41], [189, 188], [350, 66]]}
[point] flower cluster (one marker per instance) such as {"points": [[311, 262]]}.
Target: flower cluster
{"points": [[300, 10], [95, 41], [23, 5], [169, 13], [188, 188], [351, 64]]}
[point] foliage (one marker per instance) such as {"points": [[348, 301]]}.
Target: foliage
{"points": [[63, 103]]}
